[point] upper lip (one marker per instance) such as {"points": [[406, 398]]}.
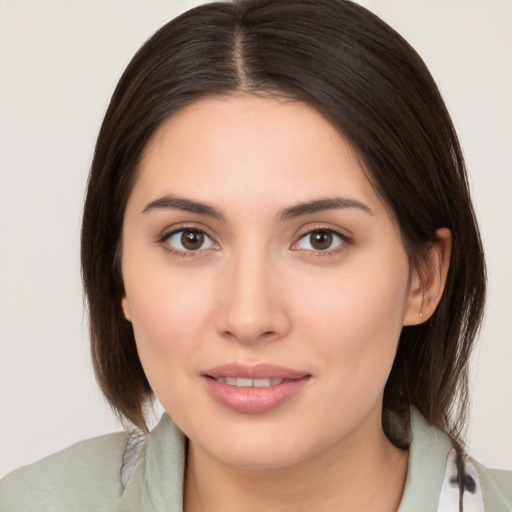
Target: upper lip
{"points": [[258, 371]]}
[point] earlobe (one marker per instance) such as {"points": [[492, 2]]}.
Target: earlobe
{"points": [[126, 309], [427, 284]]}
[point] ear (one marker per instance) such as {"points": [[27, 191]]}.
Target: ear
{"points": [[126, 309], [428, 282]]}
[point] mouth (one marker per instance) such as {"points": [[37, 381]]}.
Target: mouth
{"points": [[245, 375], [254, 389]]}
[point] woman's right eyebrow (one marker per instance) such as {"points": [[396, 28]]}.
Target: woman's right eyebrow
{"points": [[172, 202]]}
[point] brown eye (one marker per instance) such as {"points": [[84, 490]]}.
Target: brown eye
{"points": [[189, 240], [192, 240], [320, 240]]}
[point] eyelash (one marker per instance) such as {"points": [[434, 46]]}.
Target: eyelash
{"points": [[343, 241]]}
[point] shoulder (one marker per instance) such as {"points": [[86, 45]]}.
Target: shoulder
{"points": [[438, 473], [84, 476], [496, 487], [480, 488], [114, 473]]}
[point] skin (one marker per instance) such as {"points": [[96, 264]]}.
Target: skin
{"points": [[259, 290]]}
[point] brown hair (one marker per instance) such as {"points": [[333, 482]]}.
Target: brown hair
{"points": [[367, 80]]}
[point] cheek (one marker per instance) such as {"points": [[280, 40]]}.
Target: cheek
{"points": [[358, 315], [168, 311]]}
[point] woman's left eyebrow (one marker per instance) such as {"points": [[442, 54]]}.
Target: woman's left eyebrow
{"points": [[320, 205]]}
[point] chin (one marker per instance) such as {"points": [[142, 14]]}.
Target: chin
{"points": [[264, 446], [267, 457]]}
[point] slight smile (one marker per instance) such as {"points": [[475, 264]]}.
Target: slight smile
{"points": [[253, 389]]}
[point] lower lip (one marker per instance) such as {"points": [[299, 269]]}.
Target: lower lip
{"points": [[254, 400]]}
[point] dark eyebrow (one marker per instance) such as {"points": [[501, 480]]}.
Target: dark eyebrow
{"points": [[320, 205], [171, 202]]}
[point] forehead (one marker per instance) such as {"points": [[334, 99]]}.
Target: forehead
{"points": [[250, 147]]}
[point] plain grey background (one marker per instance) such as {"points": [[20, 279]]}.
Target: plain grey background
{"points": [[59, 62]]}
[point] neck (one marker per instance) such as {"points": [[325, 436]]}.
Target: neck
{"points": [[362, 472]]}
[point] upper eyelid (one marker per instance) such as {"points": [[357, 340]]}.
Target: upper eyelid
{"points": [[345, 234], [176, 228], [329, 229]]}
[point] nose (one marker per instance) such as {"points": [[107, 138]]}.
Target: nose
{"points": [[252, 300]]}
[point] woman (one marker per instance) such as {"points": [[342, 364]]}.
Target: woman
{"points": [[278, 242]]}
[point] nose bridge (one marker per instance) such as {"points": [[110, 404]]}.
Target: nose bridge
{"points": [[251, 306]]}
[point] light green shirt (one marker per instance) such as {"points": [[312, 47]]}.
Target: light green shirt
{"points": [[101, 474]]}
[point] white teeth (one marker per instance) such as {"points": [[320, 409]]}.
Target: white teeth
{"points": [[261, 383], [242, 382]]}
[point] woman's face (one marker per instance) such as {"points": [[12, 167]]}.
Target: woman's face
{"points": [[266, 283]]}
